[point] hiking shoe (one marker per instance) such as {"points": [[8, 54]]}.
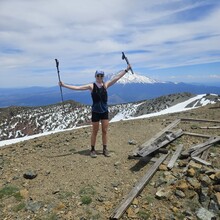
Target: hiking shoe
{"points": [[106, 153], [93, 154]]}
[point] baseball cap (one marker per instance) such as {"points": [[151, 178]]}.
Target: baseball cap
{"points": [[99, 72]]}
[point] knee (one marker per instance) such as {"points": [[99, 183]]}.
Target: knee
{"points": [[95, 131], [104, 131]]}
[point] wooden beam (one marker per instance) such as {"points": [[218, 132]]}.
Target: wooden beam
{"points": [[197, 135], [200, 160], [175, 156], [205, 154], [158, 135], [200, 150], [211, 127], [120, 210], [210, 141], [199, 120], [155, 146]]}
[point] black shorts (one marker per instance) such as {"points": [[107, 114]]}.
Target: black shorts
{"points": [[99, 116]]}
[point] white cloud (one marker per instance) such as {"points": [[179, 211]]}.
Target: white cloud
{"points": [[86, 35]]}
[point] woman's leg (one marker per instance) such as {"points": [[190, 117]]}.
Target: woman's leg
{"points": [[105, 123], [95, 129]]}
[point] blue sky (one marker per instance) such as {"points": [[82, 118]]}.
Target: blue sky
{"points": [[167, 40]]}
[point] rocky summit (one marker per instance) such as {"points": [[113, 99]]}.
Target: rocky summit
{"points": [[53, 177]]}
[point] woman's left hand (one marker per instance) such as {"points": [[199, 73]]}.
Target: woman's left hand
{"points": [[128, 67]]}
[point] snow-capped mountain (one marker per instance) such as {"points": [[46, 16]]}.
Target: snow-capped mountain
{"points": [[130, 88], [129, 78], [16, 122]]}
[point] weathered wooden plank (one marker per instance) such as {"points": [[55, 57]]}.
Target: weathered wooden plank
{"points": [[120, 210], [211, 127], [210, 141], [197, 135], [200, 150], [149, 149], [158, 135], [200, 160], [199, 120], [205, 154], [175, 156]]}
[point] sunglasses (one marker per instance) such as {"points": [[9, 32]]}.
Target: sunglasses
{"points": [[100, 75]]}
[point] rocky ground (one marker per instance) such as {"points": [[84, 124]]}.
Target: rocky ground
{"points": [[53, 177]]}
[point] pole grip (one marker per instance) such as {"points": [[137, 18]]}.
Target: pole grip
{"points": [[126, 59]]}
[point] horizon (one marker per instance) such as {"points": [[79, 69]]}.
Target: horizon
{"points": [[212, 84], [177, 41]]}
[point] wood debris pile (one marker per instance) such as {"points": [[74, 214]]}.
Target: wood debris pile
{"points": [[156, 151]]}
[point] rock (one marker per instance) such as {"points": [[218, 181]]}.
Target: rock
{"points": [[163, 167], [217, 198], [135, 201], [191, 172], [175, 209], [182, 185], [159, 182], [170, 179], [213, 206], [132, 142], [204, 196], [184, 155], [33, 206], [217, 177], [59, 207], [163, 193], [131, 213], [194, 165], [216, 188], [194, 183], [180, 194], [24, 193], [182, 163], [205, 180], [204, 214], [30, 175], [117, 164]]}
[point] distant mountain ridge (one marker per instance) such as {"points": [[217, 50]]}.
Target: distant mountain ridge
{"points": [[18, 121], [130, 88]]}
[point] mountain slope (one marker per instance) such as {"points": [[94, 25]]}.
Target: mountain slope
{"points": [[21, 121], [67, 184]]}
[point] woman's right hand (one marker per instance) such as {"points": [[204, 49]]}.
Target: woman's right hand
{"points": [[60, 84]]}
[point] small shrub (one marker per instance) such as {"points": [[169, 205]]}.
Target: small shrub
{"points": [[87, 190], [86, 200], [8, 191], [149, 199], [144, 215], [19, 207], [65, 194]]}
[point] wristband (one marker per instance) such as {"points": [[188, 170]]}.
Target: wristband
{"points": [[126, 70]]}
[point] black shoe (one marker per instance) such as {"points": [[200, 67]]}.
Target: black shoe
{"points": [[106, 153], [93, 154]]}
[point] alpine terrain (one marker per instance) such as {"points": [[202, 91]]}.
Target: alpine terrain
{"points": [[53, 176]]}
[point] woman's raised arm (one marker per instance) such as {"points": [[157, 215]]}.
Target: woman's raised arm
{"points": [[83, 87]]}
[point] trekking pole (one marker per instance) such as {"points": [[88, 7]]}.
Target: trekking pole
{"points": [[58, 72], [126, 59]]}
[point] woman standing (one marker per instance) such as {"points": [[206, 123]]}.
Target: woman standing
{"points": [[99, 107]]}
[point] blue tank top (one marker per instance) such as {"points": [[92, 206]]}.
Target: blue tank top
{"points": [[99, 98]]}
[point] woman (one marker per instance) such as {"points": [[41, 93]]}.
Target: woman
{"points": [[99, 107]]}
